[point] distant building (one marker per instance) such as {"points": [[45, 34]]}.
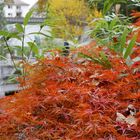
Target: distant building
{"points": [[15, 8]]}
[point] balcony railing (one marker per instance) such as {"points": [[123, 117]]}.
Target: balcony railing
{"points": [[12, 20]]}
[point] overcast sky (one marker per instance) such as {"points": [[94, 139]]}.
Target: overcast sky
{"points": [[31, 2]]}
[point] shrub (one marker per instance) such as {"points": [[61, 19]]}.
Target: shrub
{"points": [[73, 99]]}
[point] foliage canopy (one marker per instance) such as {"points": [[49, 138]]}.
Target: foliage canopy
{"points": [[67, 17]]}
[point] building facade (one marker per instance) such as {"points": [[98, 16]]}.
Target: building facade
{"points": [[15, 8]]}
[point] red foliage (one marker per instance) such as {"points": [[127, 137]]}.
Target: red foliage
{"points": [[136, 15], [71, 100]]}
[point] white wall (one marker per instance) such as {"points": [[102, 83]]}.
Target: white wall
{"points": [[13, 10], [24, 9], [9, 10]]}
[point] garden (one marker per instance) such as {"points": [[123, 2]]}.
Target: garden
{"points": [[84, 90]]}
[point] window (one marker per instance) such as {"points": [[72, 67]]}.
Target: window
{"points": [[18, 7], [10, 14], [9, 6], [18, 14]]}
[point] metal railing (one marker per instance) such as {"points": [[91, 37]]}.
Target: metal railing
{"points": [[12, 20]]}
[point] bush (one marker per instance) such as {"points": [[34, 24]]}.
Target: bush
{"points": [[73, 99]]}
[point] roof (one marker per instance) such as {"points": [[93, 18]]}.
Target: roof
{"points": [[15, 2]]}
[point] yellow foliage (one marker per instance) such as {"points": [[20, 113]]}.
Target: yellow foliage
{"points": [[96, 13], [75, 8], [68, 17], [41, 5]]}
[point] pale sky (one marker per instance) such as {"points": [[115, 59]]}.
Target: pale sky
{"points": [[31, 2]]}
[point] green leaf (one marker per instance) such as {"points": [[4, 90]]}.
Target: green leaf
{"points": [[17, 46], [84, 55], [33, 47], [4, 33], [8, 35], [40, 33], [102, 60], [107, 5], [27, 17], [103, 56], [14, 35], [42, 25], [130, 47], [12, 79], [19, 27], [3, 57], [123, 40], [113, 23]]}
